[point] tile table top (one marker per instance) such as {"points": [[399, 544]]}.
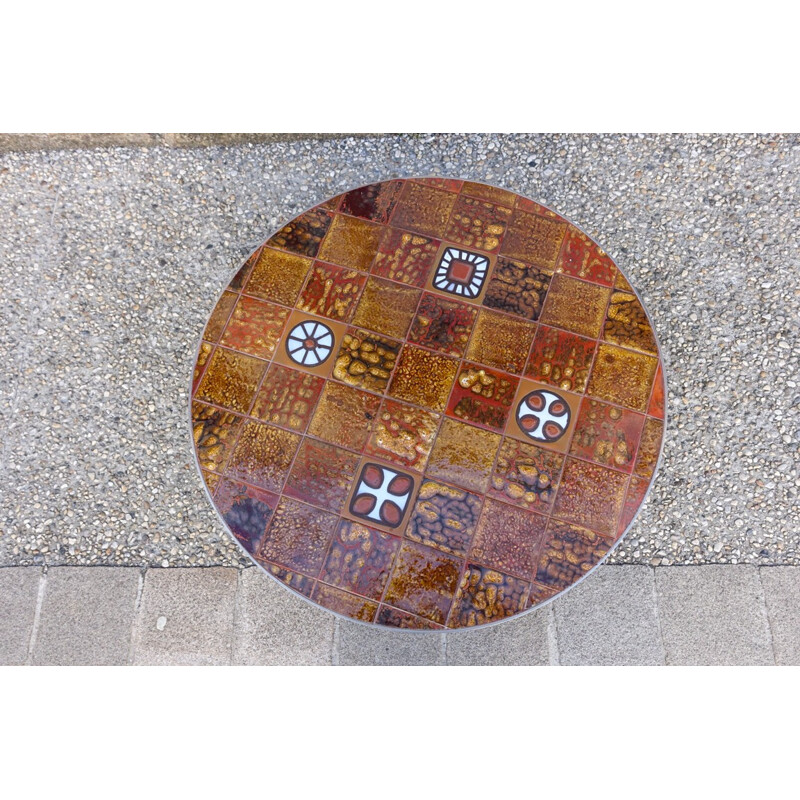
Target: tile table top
{"points": [[427, 404]]}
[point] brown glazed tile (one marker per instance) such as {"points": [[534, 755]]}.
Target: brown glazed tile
{"points": [[622, 377], [255, 327], [568, 554], [231, 380], [310, 343], [500, 341], [331, 291], [607, 434], [403, 434], [211, 480], [627, 324], [278, 276], [219, 317], [533, 239], [517, 288], [423, 378], [246, 511], [240, 278], [214, 433], [321, 475], [491, 194], [463, 455], [507, 538], [482, 396], [203, 355], [382, 495], [637, 489], [332, 204], [649, 448], [576, 306], [287, 397], [561, 359], [395, 618], [263, 455], [423, 209], [297, 536], [386, 307], [366, 360], [360, 559], [405, 257], [375, 202], [351, 243], [295, 580], [349, 605], [444, 518], [344, 416], [423, 582], [620, 282], [526, 475], [591, 496], [304, 234], [477, 224], [442, 324], [540, 593], [543, 416], [486, 595], [582, 258], [656, 408]]}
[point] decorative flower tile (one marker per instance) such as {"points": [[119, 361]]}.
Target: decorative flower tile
{"points": [[382, 495], [331, 291], [386, 307], [622, 377], [403, 434], [526, 475], [442, 324], [351, 243], [255, 327], [576, 306], [543, 415], [310, 343], [423, 378], [461, 273], [366, 360], [304, 234], [477, 224], [482, 396], [278, 276], [321, 475], [344, 416], [561, 359], [287, 397], [486, 595], [500, 341], [517, 288], [405, 257]]}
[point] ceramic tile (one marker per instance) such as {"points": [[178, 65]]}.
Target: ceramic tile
{"points": [[622, 377], [351, 243], [582, 258], [374, 202], [424, 209], [287, 397], [576, 306], [243, 273], [310, 343], [486, 595], [540, 593], [460, 273], [500, 341], [395, 618], [517, 288], [533, 239], [543, 415], [477, 224], [405, 257], [344, 603], [219, 317], [263, 455], [203, 354], [621, 283], [656, 408], [423, 378], [526, 475], [366, 360], [304, 234], [215, 432], [331, 291], [444, 518], [447, 184], [482, 396], [255, 327], [211, 479], [560, 359], [231, 380], [403, 434], [344, 416], [382, 495], [568, 554], [532, 207], [386, 307], [295, 580], [278, 276], [442, 324], [321, 475], [490, 194], [627, 324], [463, 455], [246, 511], [649, 448], [637, 489]]}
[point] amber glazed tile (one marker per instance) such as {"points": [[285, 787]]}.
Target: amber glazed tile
{"points": [[427, 403]]}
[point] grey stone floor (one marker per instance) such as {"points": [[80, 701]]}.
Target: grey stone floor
{"points": [[620, 615]]}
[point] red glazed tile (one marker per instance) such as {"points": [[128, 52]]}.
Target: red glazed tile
{"points": [[486, 595], [446, 184], [331, 291], [622, 377], [477, 224], [482, 396], [656, 408], [561, 359], [374, 202], [287, 397], [344, 416], [576, 306], [255, 327], [321, 475], [246, 511], [569, 552], [532, 207], [582, 258], [533, 239], [405, 257], [443, 324], [526, 475], [351, 243], [403, 434], [263, 455], [649, 448]]}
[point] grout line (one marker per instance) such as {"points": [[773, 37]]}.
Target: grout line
{"points": [[137, 604], [765, 610], [37, 615]]}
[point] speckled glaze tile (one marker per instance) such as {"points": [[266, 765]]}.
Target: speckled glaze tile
{"points": [[427, 403]]}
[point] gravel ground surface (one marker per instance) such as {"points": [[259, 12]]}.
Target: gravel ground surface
{"points": [[111, 260]]}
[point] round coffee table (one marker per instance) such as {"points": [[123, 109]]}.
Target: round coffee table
{"points": [[427, 404]]}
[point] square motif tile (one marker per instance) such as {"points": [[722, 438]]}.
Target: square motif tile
{"points": [[444, 518], [582, 258], [526, 475], [405, 257], [366, 360], [607, 435], [561, 359], [423, 582], [310, 343], [533, 239], [215, 432], [351, 243], [298, 537], [477, 224], [463, 455], [649, 448], [622, 377], [304, 234], [386, 307], [287, 397], [331, 291], [517, 288], [278, 276], [360, 559], [482, 396], [246, 511], [349, 605], [382, 495], [443, 324], [375, 202], [543, 415], [591, 496], [263, 455], [568, 554], [460, 273], [486, 595], [395, 618], [501, 341], [508, 538], [255, 327], [576, 306], [321, 475], [231, 380], [344, 416], [423, 378], [423, 209], [627, 325], [219, 316], [403, 434]]}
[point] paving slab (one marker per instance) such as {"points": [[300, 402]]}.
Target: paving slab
{"points": [[276, 627], [360, 645], [86, 616], [524, 641], [610, 619], [782, 595], [19, 588], [713, 615], [186, 617]]}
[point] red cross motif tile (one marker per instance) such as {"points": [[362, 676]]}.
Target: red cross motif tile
{"points": [[427, 403]]}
